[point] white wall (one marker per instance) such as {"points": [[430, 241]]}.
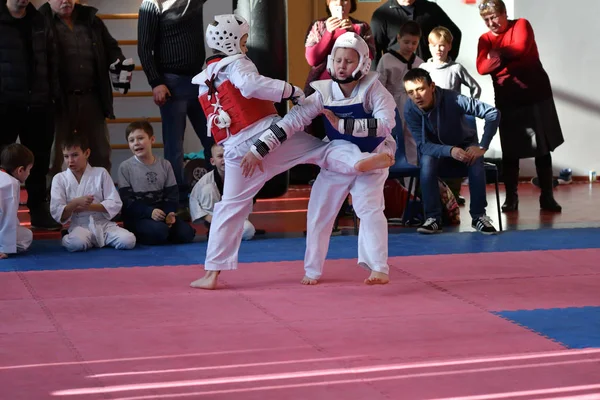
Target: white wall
{"points": [[570, 54]]}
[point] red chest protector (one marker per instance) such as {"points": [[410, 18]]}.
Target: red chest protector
{"points": [[228, 111]]}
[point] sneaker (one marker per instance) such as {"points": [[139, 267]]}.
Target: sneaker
{"points": [[430, 226], [484, 225]]}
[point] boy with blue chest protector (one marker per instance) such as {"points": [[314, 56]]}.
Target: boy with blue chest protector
{"points": [[358, 109]]}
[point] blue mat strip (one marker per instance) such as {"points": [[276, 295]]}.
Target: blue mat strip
{"points": [[573, 327], [49, 255]]}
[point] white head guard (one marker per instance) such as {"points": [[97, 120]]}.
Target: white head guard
{"points": [[225, 33], [351, 40]]}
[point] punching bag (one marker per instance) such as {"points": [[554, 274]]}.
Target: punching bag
{"points": [[267, 48]]}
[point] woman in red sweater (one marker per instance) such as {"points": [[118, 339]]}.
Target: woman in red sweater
{"points": [[529, 125]]}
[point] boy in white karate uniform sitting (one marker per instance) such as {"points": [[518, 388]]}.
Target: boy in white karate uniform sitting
{"points": [[208, 191], [87, 197], [16, 162], [239, 105]]}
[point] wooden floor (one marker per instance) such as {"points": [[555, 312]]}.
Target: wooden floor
{"points": [[286, 215]]}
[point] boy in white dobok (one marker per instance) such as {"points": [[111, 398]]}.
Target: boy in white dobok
{"points": [[16, 162], [87, 197], [239, 105], [359, 109]]}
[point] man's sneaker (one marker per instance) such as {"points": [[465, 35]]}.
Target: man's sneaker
{"points": [[484, 225], [430, 226]]}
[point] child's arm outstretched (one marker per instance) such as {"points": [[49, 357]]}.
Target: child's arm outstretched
{"points": [[294, 121], [244, 76]]}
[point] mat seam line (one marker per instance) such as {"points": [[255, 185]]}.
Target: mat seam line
{"points": [[60, 331], [475, 304], [301, 337]]}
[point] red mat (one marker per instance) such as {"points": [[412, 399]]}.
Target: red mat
{"points": [[141, 333]]}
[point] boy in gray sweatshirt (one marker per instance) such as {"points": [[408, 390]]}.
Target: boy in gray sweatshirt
{"points": [[448, 74]]}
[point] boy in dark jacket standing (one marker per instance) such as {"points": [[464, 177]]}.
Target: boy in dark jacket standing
{"points": [[445, 139], [28, 89], [86, 51]]}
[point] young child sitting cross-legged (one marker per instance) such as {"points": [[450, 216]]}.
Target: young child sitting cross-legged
{"points": [[16, 162], [86, 196], [208, 191], [149, 191]]}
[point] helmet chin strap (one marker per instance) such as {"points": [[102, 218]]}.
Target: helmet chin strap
{"points": [[347, 80]]}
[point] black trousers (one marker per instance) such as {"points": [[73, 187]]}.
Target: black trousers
{"points": [[35, 129]]}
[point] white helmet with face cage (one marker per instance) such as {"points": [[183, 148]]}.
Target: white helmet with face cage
{"points": [[225, 33], [351, 40]]}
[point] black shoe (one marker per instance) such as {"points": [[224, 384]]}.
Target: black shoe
{"points": [[549, 204], [510, 204], [430, 226], [41, 219], [484, 225]]}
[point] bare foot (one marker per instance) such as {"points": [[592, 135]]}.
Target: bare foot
{"points": [[377, 278], [3, 255], [208, 281], [308, 281], [377, 161]]}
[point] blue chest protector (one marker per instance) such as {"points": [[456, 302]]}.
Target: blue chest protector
{"points": [[348, 108]]}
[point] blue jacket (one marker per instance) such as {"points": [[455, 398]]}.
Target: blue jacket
{"points": [[445, 126]]}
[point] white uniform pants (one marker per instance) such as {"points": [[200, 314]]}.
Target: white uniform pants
{"points": [[24, 239], [230, 213], [326, 197], [81, 238]]}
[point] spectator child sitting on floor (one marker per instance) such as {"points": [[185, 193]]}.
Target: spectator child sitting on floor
{"points": [[150, 193], [86, 196], [16, 162], [209, 190]]}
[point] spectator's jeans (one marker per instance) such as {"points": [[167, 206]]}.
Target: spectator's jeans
{"points": [[182, 103], [431, 167]]}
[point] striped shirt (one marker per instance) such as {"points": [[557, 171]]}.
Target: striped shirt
{"points": [[170, 38]]}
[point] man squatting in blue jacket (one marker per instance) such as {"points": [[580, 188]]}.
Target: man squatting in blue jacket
{"points": [[445, 139]]}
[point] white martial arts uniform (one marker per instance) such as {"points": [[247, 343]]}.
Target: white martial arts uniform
{"points": [[89, 229], [203, 198], [392, 69], [369, 99], [13, 237], [238, 191]]}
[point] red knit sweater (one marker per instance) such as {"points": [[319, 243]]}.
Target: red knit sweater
{"points": [[514, 64]]}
